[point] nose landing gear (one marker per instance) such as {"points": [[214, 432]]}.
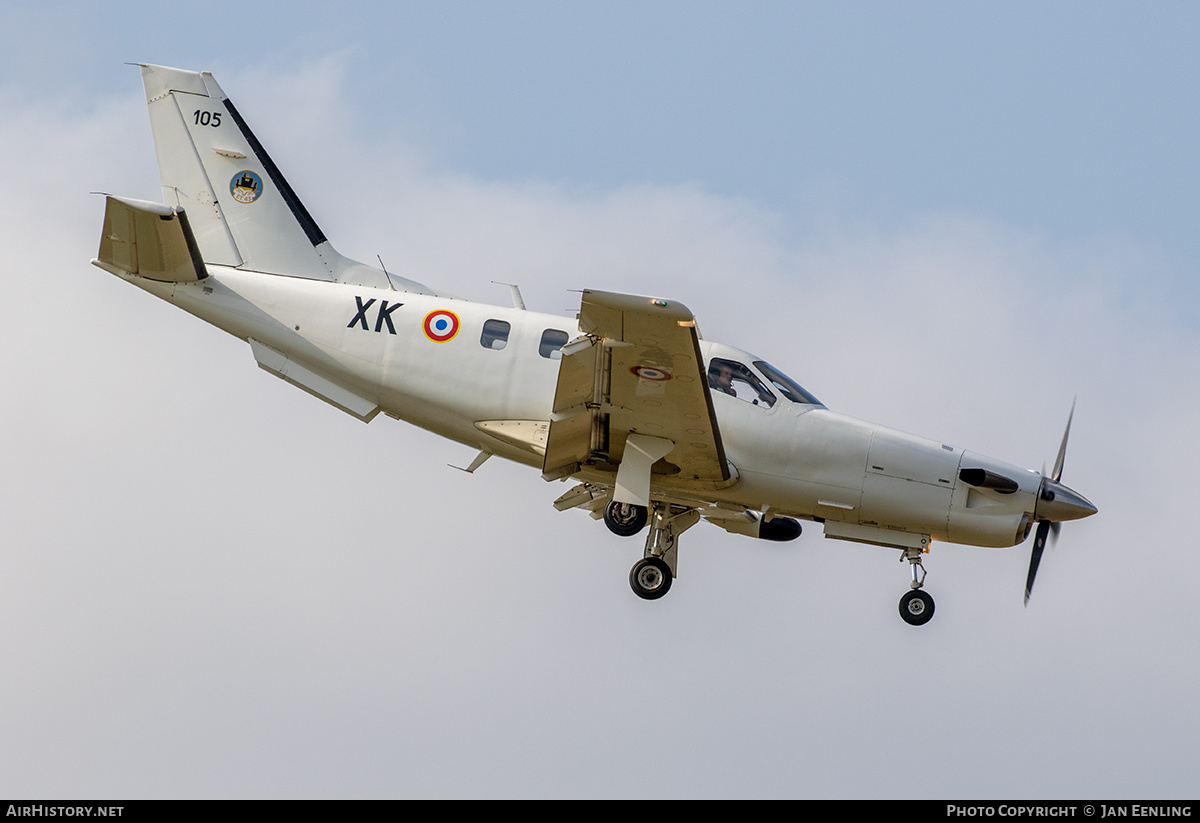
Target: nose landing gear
{"points": [[916, 607]]}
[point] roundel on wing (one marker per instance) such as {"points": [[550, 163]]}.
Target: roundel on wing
{"points": [[441, 325], [651, 373]]}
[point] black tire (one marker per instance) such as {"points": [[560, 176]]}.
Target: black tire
{"points": [[916, 608], [650, 578], [624, 519]]}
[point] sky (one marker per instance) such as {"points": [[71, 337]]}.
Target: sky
{"points": [[954, 219]]}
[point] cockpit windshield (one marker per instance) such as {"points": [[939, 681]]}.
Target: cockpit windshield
{"points": [[788, 387]]}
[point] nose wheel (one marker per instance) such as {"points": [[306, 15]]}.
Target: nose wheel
{"points": [[916, 607]]}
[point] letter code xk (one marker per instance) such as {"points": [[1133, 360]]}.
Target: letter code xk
{"points": [[383, 317]]}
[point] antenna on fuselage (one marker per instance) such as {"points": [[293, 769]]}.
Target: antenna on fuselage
{"points": [[386, 274], [518, 301]]}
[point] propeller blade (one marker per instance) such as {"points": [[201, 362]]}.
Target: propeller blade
{"points": [[1062, 450], [1055, 503], [1039, 545]]}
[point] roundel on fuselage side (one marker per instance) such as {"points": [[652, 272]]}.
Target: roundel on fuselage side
{"points": [[440, 326]]}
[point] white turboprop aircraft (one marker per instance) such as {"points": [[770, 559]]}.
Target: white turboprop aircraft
{"points": [[658, 427]]}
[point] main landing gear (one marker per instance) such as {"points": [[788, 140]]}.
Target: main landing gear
{"points": [[651, 576], [916, 607], [624, 519]]}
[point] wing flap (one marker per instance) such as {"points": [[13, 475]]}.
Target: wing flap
{"points": [[642, 374]]}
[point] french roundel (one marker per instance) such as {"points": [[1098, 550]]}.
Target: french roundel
{"points": [[651, 373], [441, 325]]}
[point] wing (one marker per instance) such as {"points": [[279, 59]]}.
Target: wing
{"points": [[632, 396]]}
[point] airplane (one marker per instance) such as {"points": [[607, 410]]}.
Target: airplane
{"points": [[657, 427]]}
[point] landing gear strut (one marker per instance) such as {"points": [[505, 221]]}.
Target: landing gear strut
{"points": [[916, 607], [651, 576]]}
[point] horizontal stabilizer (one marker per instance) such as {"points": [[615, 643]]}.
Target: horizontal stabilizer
{"points": [[149, 240]]}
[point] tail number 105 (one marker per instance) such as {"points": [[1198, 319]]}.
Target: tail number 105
{"points": [[207, 118]]}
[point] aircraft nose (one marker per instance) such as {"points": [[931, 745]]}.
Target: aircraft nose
{"points": [[1057, 503]]}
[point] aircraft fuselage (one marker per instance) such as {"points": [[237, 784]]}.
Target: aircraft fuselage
{"points": [[790, 459]]}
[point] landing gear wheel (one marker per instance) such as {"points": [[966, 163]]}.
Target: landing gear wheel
{"points": [[916, 608], [624, 519], [650, 578]]}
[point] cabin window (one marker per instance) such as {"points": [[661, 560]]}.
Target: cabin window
{"points": [[788, 387], [552, 341], [733, 378], [495, 334]]}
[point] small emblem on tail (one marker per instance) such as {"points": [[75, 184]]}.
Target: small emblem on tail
{"points": [[246, 186]]}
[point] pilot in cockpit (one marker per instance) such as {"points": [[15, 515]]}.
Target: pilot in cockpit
{"points": [[720, 377]]}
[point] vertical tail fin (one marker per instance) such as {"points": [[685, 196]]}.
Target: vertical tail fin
{"points": [[241, 209]]}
